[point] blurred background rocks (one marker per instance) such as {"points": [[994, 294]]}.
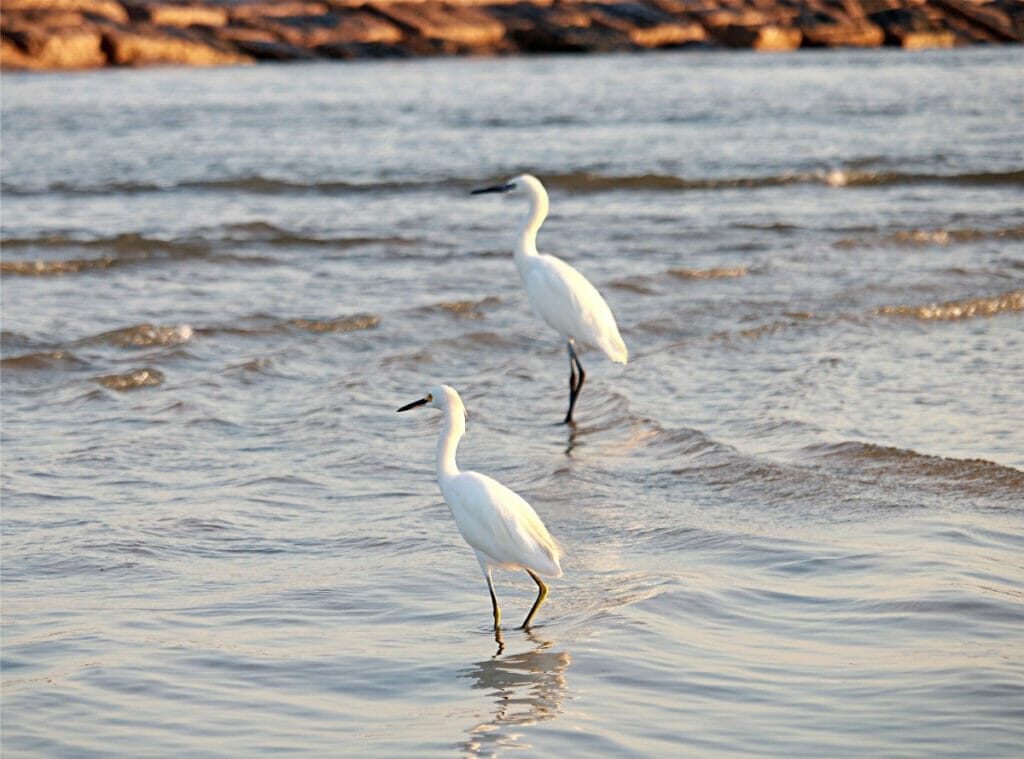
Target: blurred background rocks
{"points": [[82, 34]]}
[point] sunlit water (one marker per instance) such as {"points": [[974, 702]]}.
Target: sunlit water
{"points": [[792, 523]]}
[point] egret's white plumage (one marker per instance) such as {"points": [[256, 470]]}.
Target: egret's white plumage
{"points": [[499, 525], [558, 293]]}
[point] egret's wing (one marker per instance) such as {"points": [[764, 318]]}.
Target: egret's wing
{"points": [[500, 523], [566, 300]]}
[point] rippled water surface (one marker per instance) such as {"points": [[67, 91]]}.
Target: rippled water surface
{"points": [[792, 524]]}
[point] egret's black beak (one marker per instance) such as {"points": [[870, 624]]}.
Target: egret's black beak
{"points": [[414, 404], [496, 188]]}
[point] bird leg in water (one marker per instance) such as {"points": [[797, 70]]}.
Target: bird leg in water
{"points": [[494, 601], [541, 595], [576, 378]]}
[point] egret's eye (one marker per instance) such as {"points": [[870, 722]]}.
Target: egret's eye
{"points": [[429, 397]]}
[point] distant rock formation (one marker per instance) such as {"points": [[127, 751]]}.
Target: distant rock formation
{"points": [[81, 34]]}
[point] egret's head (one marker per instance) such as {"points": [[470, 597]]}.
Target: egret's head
{"points": [[441, 397], [524, 184]]}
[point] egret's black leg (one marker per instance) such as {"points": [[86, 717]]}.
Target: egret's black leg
{"points": [[576, 378], [572, 384], [494, 602], [541, 595]]}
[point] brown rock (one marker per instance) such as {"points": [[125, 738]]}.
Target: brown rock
{"points": [[768, 38], [723, 17], [464, 25], [339, 27], [561, 28], [249, 11], [56, 48], [180, 15], [13, 57], [106, 8], [645, 26], [684, 7], [273, 50], [145, 44], [362, 50], [927, 40], [56, 18], [912, 28], [236, 34], [988, 17], [852, 33]]}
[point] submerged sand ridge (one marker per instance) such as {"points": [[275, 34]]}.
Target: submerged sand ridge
{"points": [[80, 34]]}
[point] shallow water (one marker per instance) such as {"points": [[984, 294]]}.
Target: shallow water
{"points": [[792, 523]]}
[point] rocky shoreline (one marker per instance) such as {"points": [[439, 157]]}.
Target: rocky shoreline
{"points": [[83, 34]]}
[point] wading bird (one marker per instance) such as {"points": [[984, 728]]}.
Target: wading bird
{"points": [[501, 527], [559, 294]]}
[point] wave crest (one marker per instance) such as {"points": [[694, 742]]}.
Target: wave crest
{"points": [[959, 309], [583, 181], [144, 335], [132, 380], [341, 324]]}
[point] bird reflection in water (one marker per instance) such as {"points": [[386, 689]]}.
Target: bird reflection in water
{"points": [[527, 688]]}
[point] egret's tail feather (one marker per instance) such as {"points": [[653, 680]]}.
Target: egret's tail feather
{"points": [[550, 558], [615, 349]]}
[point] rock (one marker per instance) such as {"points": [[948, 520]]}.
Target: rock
{"points": [[257, 10], [233, 35], [273, 50], [13, 57], [109, 9], [928, 40], [464, 25], [340, 27], [59, 34], [180, 15], [562, 28], [912, 29], [145, 44], [54, 48], [355, 50], [851, 33], [768, 38], [645, 26], [988, 17]]}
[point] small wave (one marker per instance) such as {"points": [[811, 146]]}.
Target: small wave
{"points": [[837, 177], [833, 177], [55, 268], [961, 309], [928, 237], [270, 185], [254, 184], [771, 328], [580, 182], [120, 250], [341, 324], [981, 472], [468, 309], [272, 235], [133, 249], [127, 243], [42, 360], [132, 380], [636, 285], [720, 273], [144, 335]]}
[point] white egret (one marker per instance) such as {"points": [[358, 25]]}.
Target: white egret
{"points": [[501, 527], [559, 294]]}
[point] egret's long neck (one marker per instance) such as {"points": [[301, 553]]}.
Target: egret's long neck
{"points": [[448, 441], [526, 246]]}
